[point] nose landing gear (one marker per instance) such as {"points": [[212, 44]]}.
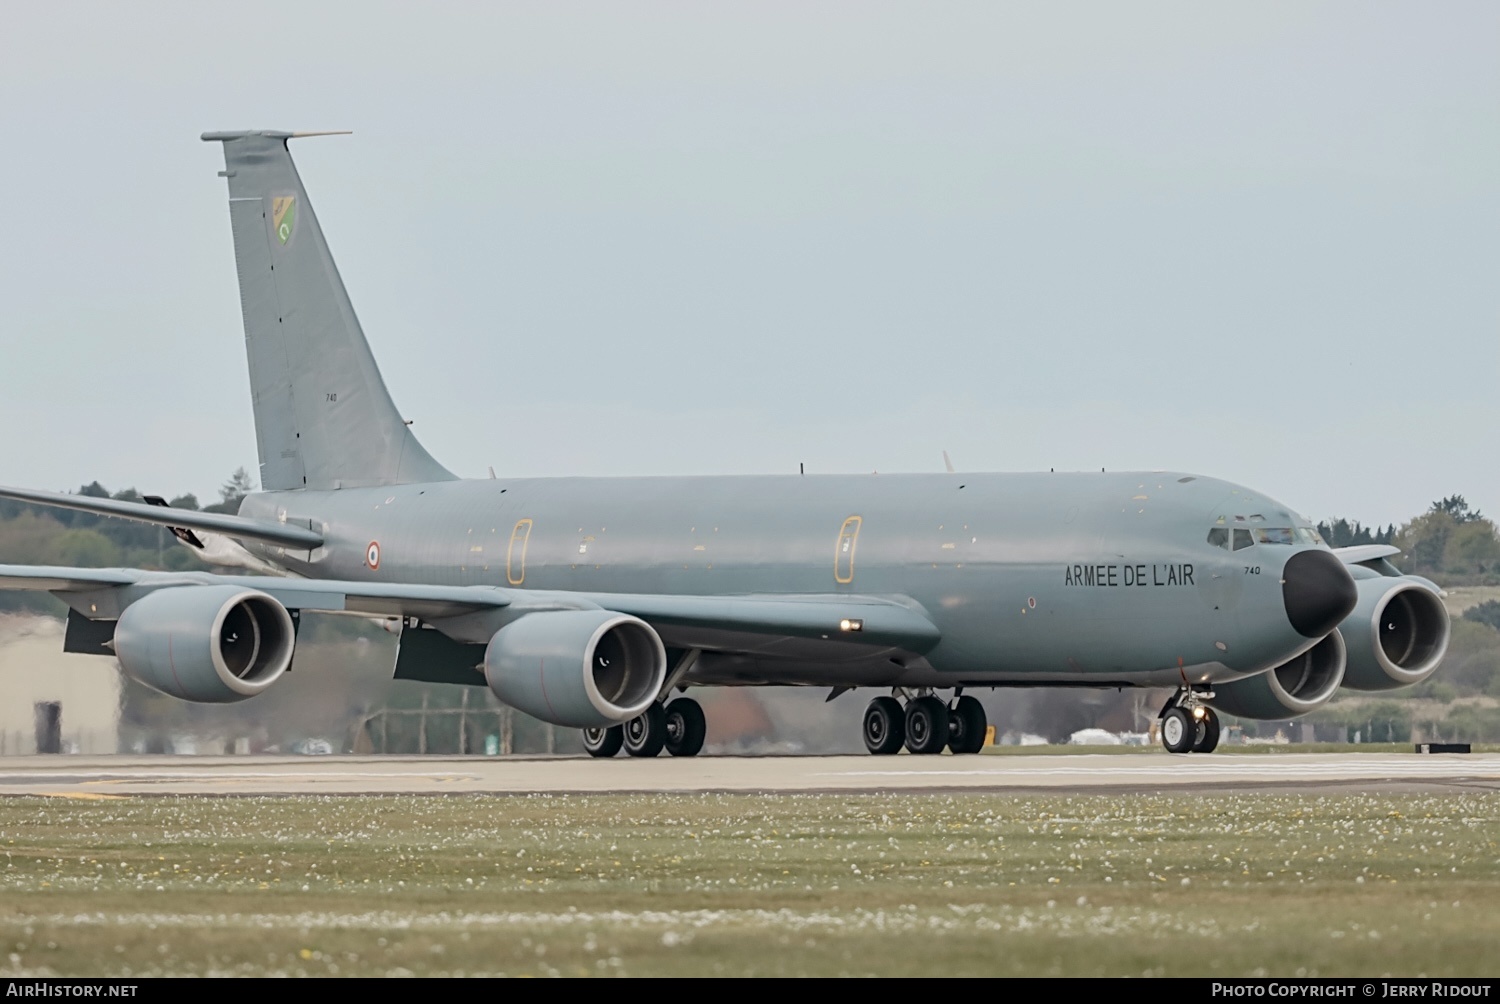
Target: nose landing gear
{"points": [[1187, 725], [926, 725]]}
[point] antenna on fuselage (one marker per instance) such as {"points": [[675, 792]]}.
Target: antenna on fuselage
{"points": [[947, 463]]}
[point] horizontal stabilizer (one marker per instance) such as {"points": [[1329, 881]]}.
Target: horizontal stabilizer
{"points": [[280, 534]]}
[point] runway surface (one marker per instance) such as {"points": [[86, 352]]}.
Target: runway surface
{"points": [[105, 777]]}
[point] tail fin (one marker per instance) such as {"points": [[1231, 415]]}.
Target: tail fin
{"points": [[323, 417]]}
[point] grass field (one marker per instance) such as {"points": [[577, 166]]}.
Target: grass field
{"points": [[1185, 884]]}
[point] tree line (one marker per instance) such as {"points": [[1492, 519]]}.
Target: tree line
{"points": [[1450, 543]]}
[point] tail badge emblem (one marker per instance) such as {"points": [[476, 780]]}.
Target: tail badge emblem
{"points": [[284, 216]]}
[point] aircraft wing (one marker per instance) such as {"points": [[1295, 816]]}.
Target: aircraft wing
{"points": [[101, 593], [1361, 553], [52, 579], [720, 623], [280, 534]]}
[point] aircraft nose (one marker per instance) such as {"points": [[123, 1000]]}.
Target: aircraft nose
{"points": [[1318, 592]]}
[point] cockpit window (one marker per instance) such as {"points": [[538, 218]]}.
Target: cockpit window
{"points": [[1218, 536], [1308, 535], [1241, 539], [1275, 535]]}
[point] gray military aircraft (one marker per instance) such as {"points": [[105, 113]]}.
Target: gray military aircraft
{"points": [[586, 602]]}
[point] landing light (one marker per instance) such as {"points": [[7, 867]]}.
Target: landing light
{"points": [[1199, 712], [851, 625]]}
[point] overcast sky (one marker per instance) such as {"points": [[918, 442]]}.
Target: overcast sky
{"points": [[1257, 241]]}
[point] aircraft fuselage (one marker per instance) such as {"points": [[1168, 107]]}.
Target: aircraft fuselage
{"points": [[1090, 579]]}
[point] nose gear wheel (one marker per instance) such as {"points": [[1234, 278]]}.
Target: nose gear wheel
{"points": [[1208, 732], [1178, 731], [1187, 724]]}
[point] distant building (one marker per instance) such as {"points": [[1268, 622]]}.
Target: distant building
{"points": [[34, 670]]}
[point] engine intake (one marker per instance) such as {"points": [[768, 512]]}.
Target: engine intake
{"points": [[1294, 688], [209, 644], [1398, 633], [579, 668]]}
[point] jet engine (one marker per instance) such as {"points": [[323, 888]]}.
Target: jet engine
{"points": [[1294, 688], [1397, 633], [210, 644], [580, 668]]}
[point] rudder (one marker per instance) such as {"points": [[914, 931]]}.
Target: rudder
{"points": [[323, 415]]}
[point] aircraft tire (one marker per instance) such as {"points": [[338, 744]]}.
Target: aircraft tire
{"points": [[1208, 732], [926, 725], [884, 726], [1179, 733], [646, 733], [967, 723], [686, 727], [604, 742]]}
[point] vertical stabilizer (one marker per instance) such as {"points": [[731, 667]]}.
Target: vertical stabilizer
{"points": [[323, 417]]}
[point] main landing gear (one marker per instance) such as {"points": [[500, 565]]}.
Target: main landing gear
{"points": [[925, 724], [1187, 725], [678, 727]]}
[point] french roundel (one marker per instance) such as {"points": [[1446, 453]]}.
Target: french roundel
{"points": [[372, 555]]}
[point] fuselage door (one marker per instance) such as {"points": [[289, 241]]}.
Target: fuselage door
{"points": [[843, 555], [515, 556]]}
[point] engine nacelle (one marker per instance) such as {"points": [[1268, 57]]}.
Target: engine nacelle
{"points": [[1397, 634], [1294, 688], [580, 668], [210, 644]]}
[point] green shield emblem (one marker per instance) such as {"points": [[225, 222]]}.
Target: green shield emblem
{"points": [[284, 216]]}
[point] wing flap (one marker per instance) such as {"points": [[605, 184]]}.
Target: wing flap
{"points": [[859, 620]]}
